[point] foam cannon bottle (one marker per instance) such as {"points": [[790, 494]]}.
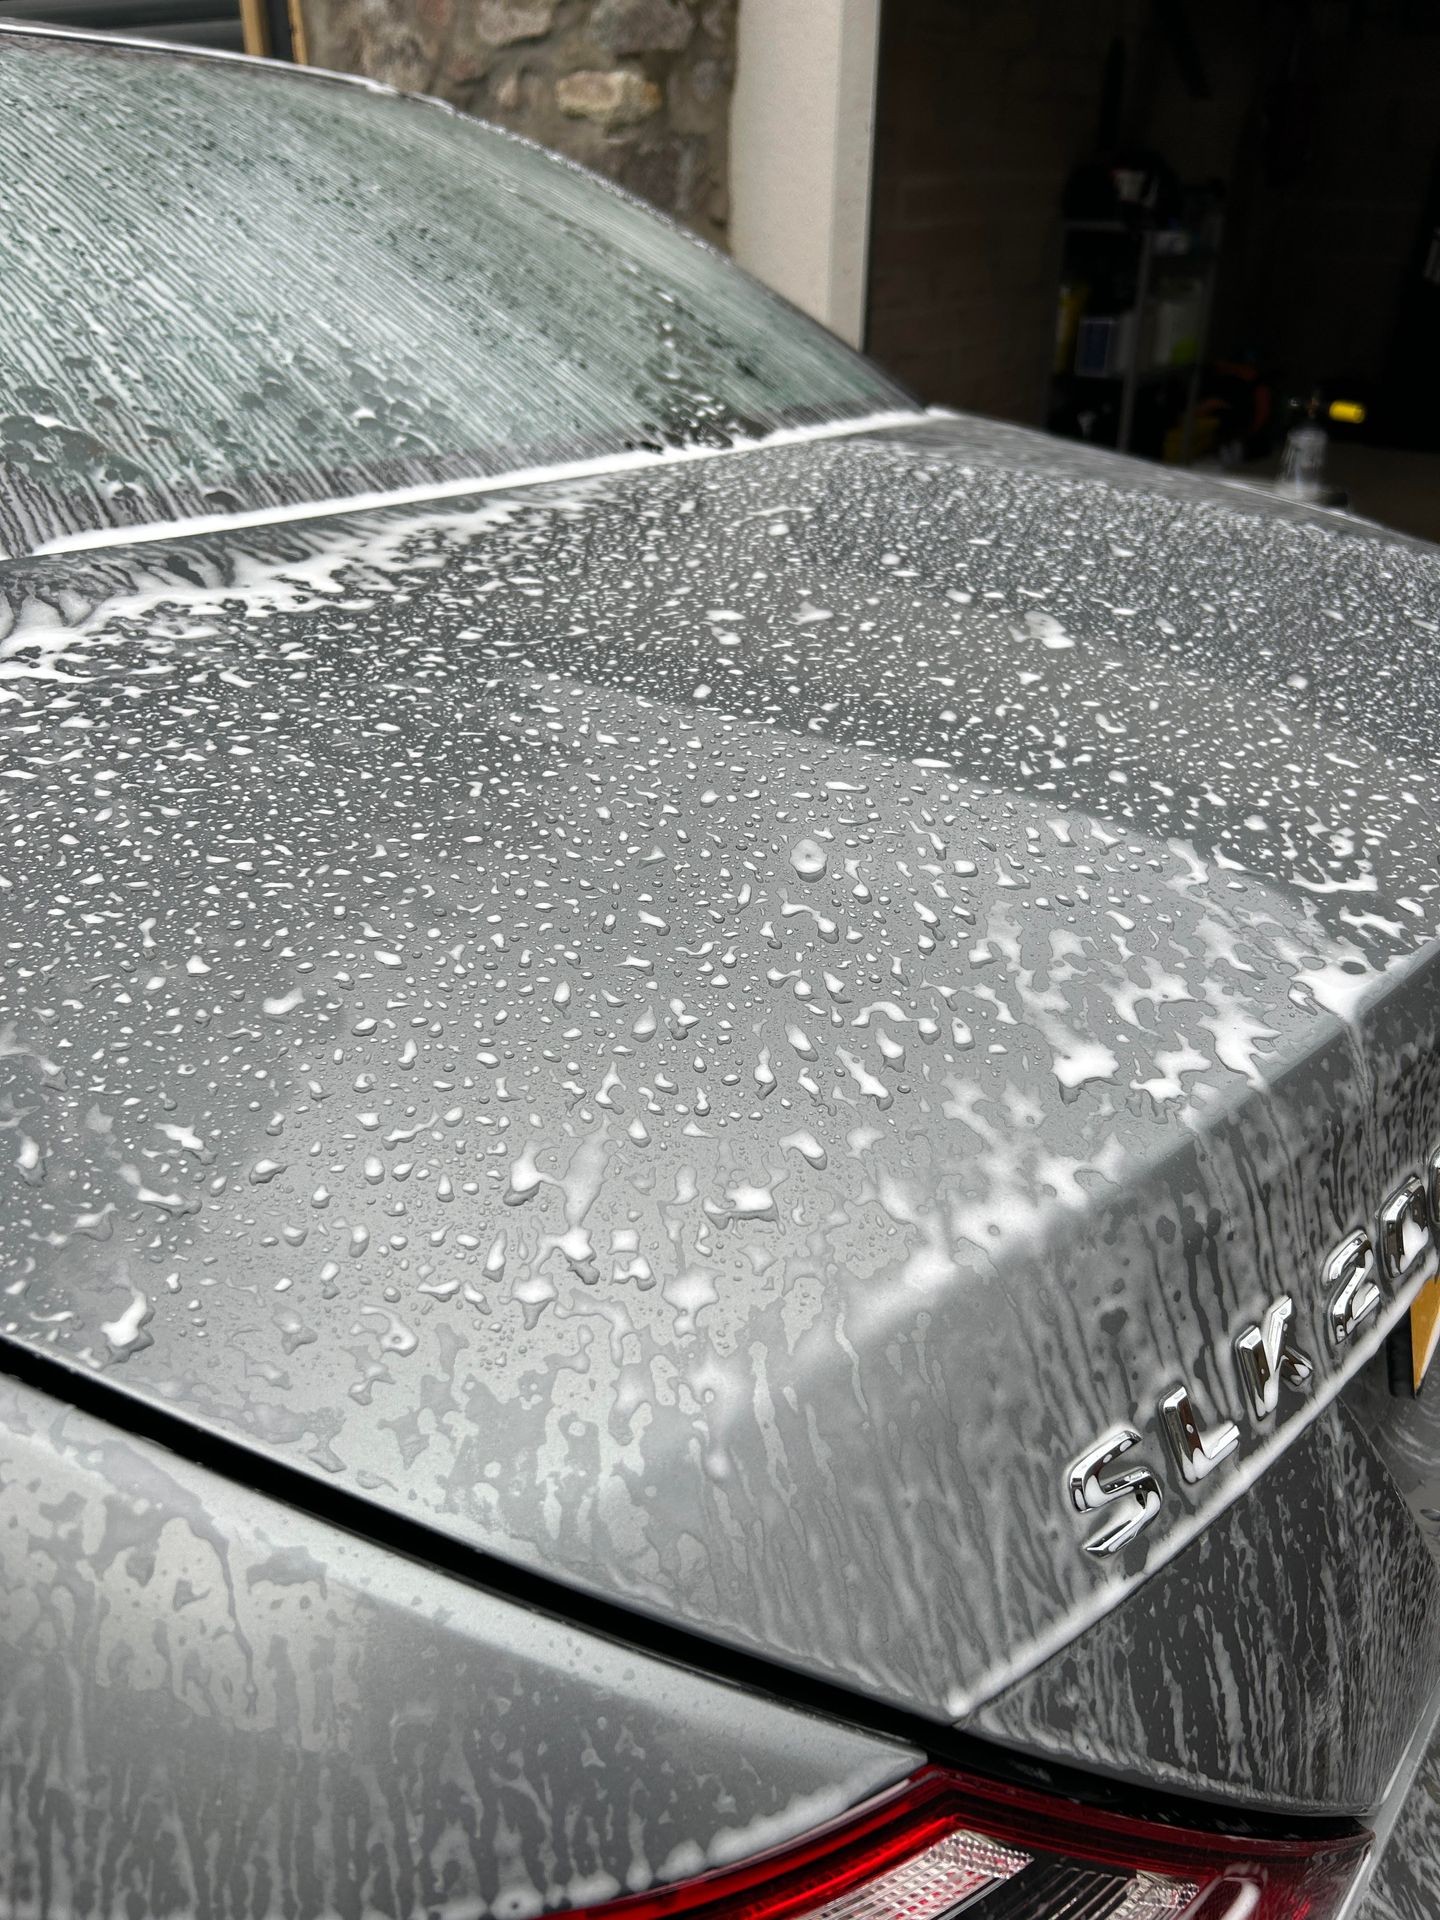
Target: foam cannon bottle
{"points": [[1302, 461]]}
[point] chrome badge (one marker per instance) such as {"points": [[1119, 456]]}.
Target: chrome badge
{"points": [[1359, 1276]]}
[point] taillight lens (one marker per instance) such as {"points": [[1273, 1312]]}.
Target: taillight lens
{"points": [[944, 1842]]}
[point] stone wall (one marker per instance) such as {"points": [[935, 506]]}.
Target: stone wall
{"points": [[638, 89]]}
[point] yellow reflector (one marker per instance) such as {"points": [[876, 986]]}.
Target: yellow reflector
{"points": [[1424, 1329], [1349, 412]]}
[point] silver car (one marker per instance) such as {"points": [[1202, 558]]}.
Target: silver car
{"points": [[719, 1101]]}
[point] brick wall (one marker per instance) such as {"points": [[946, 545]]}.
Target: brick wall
{"points": [[638, 89]]}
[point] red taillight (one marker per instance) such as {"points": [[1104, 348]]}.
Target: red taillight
{"points": [[944, 1841]]}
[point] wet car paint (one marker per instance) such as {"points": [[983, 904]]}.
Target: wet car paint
{"points": [[704, 1031], [210, 1703], [1258, 1666], [1406, 1872]]}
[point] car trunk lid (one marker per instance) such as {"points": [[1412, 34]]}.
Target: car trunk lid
{"points": [[706, 1032]]}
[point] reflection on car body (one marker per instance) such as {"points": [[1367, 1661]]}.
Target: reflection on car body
{"points": [[642, 985]]}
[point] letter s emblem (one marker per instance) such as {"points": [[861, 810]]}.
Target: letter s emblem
{"points": [[1090, 1490]]}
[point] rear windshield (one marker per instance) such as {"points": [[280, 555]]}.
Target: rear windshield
{"points": [[226, 287]]}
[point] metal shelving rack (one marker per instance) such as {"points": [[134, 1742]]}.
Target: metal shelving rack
{"points": [[1109, 357]]}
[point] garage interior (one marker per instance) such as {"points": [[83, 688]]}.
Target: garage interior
{"points": [[1181, 229]]}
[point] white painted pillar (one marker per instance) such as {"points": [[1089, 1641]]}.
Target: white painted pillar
{"points": [[802, 129]]}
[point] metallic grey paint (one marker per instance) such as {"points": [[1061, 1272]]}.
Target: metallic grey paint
{"points": [[704, 1034], [1284, 1658], [751, 1010], [210, 1704], [1409, 1869]]}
